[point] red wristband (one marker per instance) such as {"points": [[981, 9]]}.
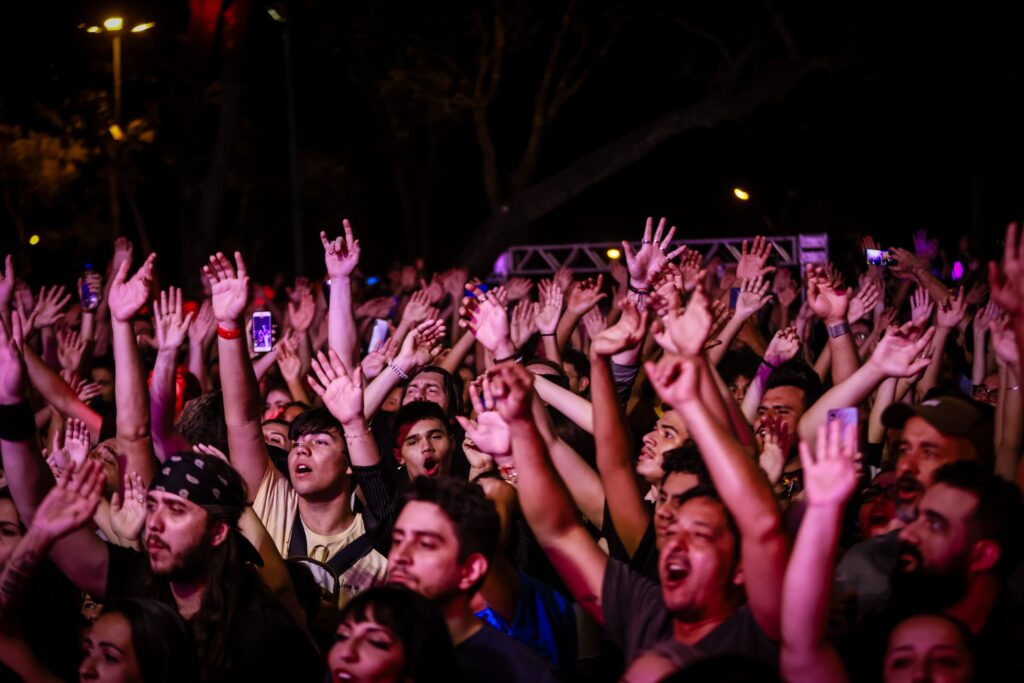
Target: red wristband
{"points": [[225, 333]]}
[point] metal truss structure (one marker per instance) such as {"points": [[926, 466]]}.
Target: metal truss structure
{"points": [[540, 260]]}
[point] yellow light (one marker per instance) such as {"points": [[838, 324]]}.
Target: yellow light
{"points": [[33, 240], [116, 132], [93, 29], [614, 253], [740, 194], [139, 28], [113, 23]]}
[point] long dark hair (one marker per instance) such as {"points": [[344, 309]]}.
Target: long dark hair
{"points": [[429, 654], [163, 646]]}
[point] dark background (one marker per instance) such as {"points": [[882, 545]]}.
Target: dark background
{"points": [[902, 116]]}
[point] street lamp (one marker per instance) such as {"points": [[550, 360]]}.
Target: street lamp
{"points": [[115, 27], [741, 194]]}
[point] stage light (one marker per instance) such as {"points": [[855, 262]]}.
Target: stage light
{"points": [[614, 253], [33, 240]]}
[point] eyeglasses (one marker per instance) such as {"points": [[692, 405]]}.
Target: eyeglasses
{"points": [[983, 393]]}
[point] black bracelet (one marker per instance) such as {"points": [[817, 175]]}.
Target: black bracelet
{"points": [[773, 367], [516, 357], [641, 292], [551, 334], [17, 423]]}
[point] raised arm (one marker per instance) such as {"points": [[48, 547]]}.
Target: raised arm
{"points": [[783, 347], [629, 514], [741, 483], [829, 481], [172, 325], [59, 393], [341, 257], [898, 354], [542, 496], [831, 304], [950, 314], [230, 296], [753, 296], [126, 297], [418, 348]]}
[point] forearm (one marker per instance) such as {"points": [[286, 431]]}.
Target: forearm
{"points": [[979, 362], [341, 323], [823, 363], [573, 406], [884, 397], [197, 364], [628, 512], [542, 494], [242, 411], [297, 390], [362, 447], [755, 391], [931, 374], [162, 400], [1012, 434], [261, 366], [726, 336], [741, 426], [133, 426], [845, 360], [31, 550], [566, 325], [460, 349], [551, 349], [936, 290], [806, 654], [59, 395], [377, 391], [852, 392]]}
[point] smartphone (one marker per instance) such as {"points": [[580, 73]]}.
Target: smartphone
{"points": [[847, 417], [262, 332], [379, 334], [734, 294], [879, 257]]}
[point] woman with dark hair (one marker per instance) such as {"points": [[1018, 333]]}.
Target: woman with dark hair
{"points": [[391, 633], [138, 639]]}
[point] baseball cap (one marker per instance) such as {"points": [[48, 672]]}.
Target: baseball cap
{"points": [[951, 415]]}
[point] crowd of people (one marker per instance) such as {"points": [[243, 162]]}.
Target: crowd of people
{"points": [[690, 470]]}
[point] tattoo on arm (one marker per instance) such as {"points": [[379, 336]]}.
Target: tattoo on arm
{"points": [[15, 577]]}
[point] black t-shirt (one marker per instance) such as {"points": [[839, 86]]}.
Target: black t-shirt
{"points": [[644, 560], [636, 619], [490, 655], [265, 642]]}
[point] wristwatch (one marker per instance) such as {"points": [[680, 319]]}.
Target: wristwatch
{"points": [[839, 329]]}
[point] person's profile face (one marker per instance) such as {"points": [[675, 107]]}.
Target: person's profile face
{"points": [[669, 432], [427, 386], [366, 652], [927, 648], [425, 552], [696, 564], [10, 530], [109, 655]]}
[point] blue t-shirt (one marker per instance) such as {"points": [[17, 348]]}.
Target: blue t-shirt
{"points": [[544, 620]]}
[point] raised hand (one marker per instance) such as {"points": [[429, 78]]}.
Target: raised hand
{"points": [[170, 321], [12, 364], [523, 323], [7, 284], [421, 345], [863, 302], [202, 327], [49, 306], [977, 293], [921, 306], [626, 333], [128, 514], [288, 361], [300, 314], [489, 432], [379, 307], [229, 288], [377, 358], [952, 310], [593, 322], [341, 393], [775, 447], [549, 307], [752, 260], [675, 379], [512, 390], [1007, 280], [783, 346], [618, 273], [907, 266], [902, 351], [691, 267], [127, 296], [651, 257], [418, 308], [984, 317], [563, 278], [71, 503], [924, 248], [686, 333], [341, 256], [76, 441], [827, 302], [518, 287], [1004, 341], [585, 295], [753, 296], [84, 390], [454, 282], [830, 472], [485, 317], [122, 252], [70, 348]]}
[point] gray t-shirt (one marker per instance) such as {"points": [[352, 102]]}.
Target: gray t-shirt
{"points": [[636, 619]]}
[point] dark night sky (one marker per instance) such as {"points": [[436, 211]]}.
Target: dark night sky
{"points": [[918, 126]]}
